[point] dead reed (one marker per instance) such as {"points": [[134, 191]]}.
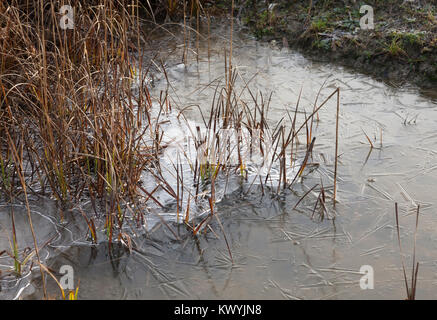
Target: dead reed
{"points": [[410, 289], [71, 126]]}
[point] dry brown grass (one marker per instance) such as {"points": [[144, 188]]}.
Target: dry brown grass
{"points": [[67, 107]]}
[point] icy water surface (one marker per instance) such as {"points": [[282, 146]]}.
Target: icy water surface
{"points": [[279, 252]]}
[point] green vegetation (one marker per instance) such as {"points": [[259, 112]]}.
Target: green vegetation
{"points": [[394, 48], [265, 21], [319, 24], [324, 44]]}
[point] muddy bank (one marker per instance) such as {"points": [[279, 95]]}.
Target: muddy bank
{"points": [[402, 47]]}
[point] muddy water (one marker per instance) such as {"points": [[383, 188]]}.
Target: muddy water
{"points": [[279, 252]]}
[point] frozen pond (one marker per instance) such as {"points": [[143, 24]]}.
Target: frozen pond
{"points": [[279, 252]]}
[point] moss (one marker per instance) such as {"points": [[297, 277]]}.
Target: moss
{"points": [[264, 23], [260, 33], [409, 38], [394, 48], [367, 54], [319, 24], [324, 44]]}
